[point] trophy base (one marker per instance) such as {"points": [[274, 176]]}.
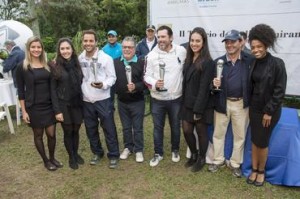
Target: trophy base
{"points": [[96, 83], [162, 90], [216, 90]]}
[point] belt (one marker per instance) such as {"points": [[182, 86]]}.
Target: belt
{"points": [[234, 99]]}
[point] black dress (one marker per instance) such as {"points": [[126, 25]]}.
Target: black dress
{"points": [[41, 113], [260, 135]]}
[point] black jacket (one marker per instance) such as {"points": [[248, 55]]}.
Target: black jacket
{"points": [[221, 97], [273, 85], [137, 78], [197, 88], [61, 90]]}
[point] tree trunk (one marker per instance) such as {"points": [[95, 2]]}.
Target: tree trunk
{"points": [[33, 18]]}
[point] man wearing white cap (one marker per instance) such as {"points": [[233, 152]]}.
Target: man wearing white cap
{"points": [[146, 44]]}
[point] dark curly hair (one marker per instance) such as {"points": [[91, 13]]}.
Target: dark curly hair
{"points": [[265, 34]]}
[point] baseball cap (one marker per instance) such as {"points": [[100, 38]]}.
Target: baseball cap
{"points": [[112, 32], [232, 35], [150, 27]]}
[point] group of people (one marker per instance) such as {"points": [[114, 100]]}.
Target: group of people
{"points": [[182, 82]]}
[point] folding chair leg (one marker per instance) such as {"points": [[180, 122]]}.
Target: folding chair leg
{"points": [[8, 117]]}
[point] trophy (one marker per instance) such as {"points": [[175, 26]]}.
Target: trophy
{"points": [[128, 75], [219, 67], [94, 69], [162, 69]]}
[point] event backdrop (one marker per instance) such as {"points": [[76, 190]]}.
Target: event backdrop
{"points": [[219, 16]]}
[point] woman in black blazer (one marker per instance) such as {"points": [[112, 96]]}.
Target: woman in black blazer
{"points": [[268, 83], [197, 108], [33, 83], [67, 97]]}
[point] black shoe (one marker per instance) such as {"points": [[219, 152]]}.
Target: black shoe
{"points": [[249, 181], [113, 163], [73, 163], [79, 159], [57, 163], [257, 183], [50, 166], [191, 161], [199, 164]]}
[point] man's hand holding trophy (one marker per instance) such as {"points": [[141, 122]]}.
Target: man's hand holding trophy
{"points": [[160, 83], [217, 79], [96, 83]]}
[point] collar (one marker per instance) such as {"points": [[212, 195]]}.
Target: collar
{"points": [[229, 60], [134, 59]]}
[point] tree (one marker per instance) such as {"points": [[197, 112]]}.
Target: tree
{"points": [[67, 17], [13, 9]]}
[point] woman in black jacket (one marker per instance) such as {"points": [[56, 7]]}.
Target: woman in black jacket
{"points": [[268, 83], [67, 97], [33, 82], [197, 109]]}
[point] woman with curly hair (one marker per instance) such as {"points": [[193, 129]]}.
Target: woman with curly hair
{"points": [[268, 83], [67, 97], [197, 109]]}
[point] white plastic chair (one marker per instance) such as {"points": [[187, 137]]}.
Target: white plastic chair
{"points": [[4, 112]]}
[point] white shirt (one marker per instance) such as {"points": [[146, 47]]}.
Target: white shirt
{"points": [[174, 60], [150, 43], [105, 73]]}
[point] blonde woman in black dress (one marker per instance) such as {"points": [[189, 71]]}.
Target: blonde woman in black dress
{"points": [[33, 82], [268, 83], [67, 97]]}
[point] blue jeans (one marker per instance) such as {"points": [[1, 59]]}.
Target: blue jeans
{"points": [[132, 119], [159, 110], [102, 110]]}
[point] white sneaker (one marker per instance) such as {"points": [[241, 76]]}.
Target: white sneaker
{"points": [[175, 156], [139, 157], [125, 154], [155, 160]]}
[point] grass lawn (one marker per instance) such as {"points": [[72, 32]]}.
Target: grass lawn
{"points": [[22, 174]]}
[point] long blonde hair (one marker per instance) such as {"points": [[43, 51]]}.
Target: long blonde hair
{"points": [[28, 59]]}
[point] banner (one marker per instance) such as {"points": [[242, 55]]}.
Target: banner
{"points": [[219, 16]]}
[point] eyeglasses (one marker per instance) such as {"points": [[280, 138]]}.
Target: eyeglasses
{"points": [[128, 47]]}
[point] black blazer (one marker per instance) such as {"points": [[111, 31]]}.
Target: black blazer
{"points": [[197, 88], [273, 86]]}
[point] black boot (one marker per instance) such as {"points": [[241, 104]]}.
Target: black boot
{"points": [[199, 164], [73, 163], [191, 161]]}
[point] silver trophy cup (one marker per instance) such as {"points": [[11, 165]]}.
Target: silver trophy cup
{"points": [[162, 69], [128, 74], [94, 69], [219, 68]]}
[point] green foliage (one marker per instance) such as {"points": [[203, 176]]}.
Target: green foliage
{"points": [[3, 54], [49, 44], [16, 10], [51, 56], [292, 102]]}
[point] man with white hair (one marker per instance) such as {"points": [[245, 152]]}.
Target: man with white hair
{"points": [[16, 55]]}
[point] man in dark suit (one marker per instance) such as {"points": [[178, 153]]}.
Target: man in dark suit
{"points": [[16, 55]]}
